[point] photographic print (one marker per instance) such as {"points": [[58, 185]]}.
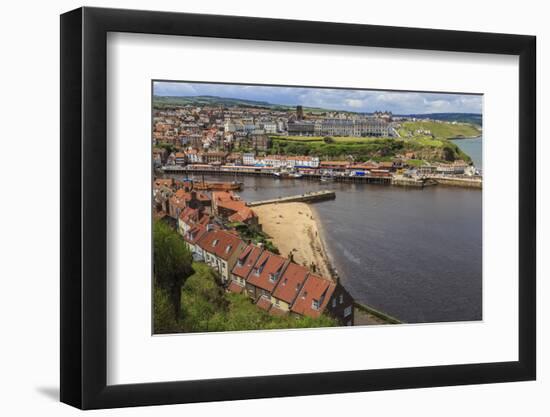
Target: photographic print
{"points": [[283, 207]]}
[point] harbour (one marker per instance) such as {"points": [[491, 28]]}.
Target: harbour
{"points": [[393, 246]]}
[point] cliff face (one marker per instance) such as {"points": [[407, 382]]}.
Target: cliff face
{"points": [[448, 152]]}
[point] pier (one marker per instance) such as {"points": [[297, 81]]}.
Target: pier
{"points": [[458, 181], [302, 198]]}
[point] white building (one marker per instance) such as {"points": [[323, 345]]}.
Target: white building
{"points": [[249, 159], [194, 156], [270, 128]]}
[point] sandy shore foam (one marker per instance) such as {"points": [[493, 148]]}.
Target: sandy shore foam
{"points": [[293, 229]]}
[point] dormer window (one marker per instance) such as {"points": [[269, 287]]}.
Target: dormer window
{"points": [[228, 249], [215, 242], [315, 304], [285, 281], [304, 295], [273, 277]]}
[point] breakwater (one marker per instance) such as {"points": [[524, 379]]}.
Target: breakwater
{"points": [[458, 182], [301, 198]]}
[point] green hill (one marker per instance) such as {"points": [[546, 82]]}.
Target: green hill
{"points": [[363, 149], [440, 129]]}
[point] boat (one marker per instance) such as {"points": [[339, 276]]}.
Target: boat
{"points": [[218, 186], [287, 175], [326, 178]]}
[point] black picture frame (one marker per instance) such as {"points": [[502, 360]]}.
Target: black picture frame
{"points": [[84, 207]]}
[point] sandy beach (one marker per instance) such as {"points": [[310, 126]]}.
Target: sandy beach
{"points": [[293, 229]]}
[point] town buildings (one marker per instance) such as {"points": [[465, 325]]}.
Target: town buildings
{"points": [[220, 250], [367, 126], [272, 282]]}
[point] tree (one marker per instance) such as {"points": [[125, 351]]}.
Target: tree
{"points": [[172, 263], [163, 315]]}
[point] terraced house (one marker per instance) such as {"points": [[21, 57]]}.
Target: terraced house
{"points": [[245, 262], [191, 238], [289, 287], [220, 250], [320, 294], [264, 277]]}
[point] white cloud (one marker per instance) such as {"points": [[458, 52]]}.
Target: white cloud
{"points": [[405, 102]]}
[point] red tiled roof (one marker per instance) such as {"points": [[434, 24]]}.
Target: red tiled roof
{"points": [[243, 215], [229, 201], [195, 233], [264, 273], [315, 288], [264, 303], [234, 287], [193, 216], [220, 243], [291, 282], [163, 182], [246, 261], [223, 196], [181, 197]]}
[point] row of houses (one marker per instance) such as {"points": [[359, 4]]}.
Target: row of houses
{"points": [[281, 161], [274, 283]]}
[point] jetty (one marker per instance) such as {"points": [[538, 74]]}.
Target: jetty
{"points": [[303, 198], [458, 181]]}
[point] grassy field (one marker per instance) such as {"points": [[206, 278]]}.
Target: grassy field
{"points": [[440, 130]]}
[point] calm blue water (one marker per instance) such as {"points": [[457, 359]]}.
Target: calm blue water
{"points": [[473, 148], [414, 254]]}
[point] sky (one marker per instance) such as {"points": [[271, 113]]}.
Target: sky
{"points": [[398, 102]]}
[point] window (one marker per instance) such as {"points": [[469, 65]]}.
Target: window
{"points": [[333, 301], [315, 304], [215, 242], [347, 311], [228, 249], [341, 298]]}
